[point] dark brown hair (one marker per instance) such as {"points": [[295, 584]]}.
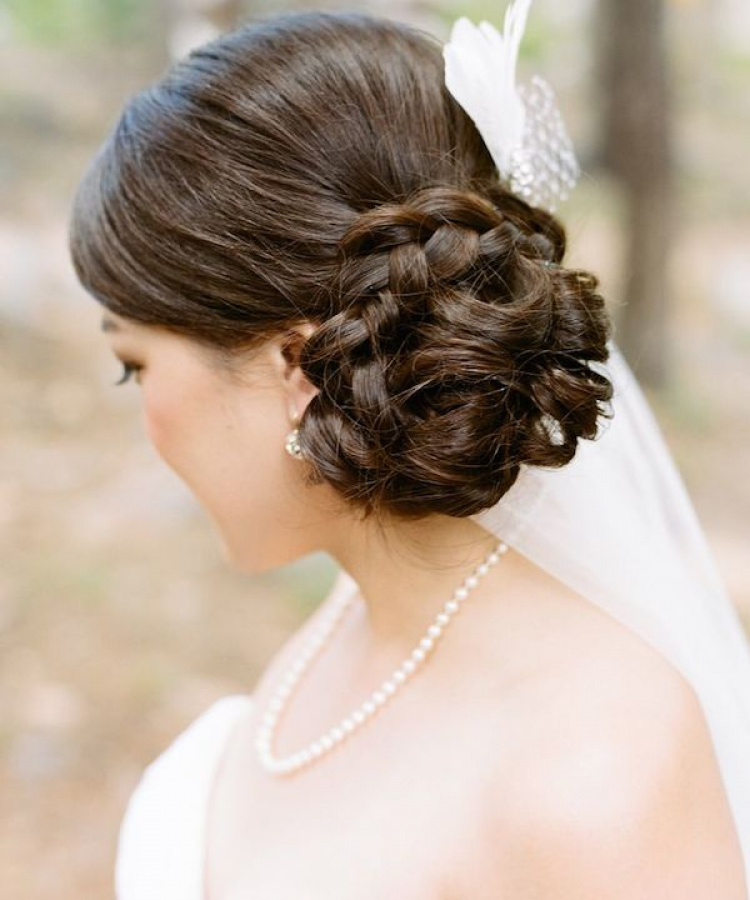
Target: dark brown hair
{"points": [[313, 167]]}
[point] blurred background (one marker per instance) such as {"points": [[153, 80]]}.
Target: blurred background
{"points": [[119, 619]]}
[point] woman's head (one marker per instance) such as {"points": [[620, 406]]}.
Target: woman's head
{"points": [[301, 204]]}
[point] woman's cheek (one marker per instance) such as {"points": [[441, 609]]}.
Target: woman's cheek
{"points": [[159, 424], [180, 431]]}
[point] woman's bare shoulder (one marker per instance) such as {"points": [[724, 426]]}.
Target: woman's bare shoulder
{"points": [[601, 695], [615, 789]]}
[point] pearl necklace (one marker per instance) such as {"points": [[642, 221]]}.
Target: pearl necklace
{"points": [[267, 729]]}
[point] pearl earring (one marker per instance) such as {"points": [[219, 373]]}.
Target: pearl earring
{"points": [[292, 444]]}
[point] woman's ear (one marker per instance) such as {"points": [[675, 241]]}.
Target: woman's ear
{"points": [[299, 389]]}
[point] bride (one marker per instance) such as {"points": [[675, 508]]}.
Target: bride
{"points": [[328, 255]]}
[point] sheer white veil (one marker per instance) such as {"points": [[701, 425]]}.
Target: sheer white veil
{"points": [[616, 524]]}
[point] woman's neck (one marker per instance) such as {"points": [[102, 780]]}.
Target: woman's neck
{"points": [[407, 571]]}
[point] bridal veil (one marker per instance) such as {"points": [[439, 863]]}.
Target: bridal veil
{"points": [[617, 526]]}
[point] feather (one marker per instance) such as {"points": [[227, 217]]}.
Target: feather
{"points": [[480, 73]]}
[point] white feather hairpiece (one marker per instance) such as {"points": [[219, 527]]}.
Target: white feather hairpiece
{"points": [[521, 126]]}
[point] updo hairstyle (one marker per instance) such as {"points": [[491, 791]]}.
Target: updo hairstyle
{"points": [[312, 167]]}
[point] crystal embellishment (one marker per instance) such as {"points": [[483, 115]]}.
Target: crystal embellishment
{"points": [[544, 168]]}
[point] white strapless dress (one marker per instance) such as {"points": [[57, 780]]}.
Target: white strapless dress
{"points": [[162, 840]]}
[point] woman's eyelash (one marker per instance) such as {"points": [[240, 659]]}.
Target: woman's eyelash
{"points": [[127, 371]]}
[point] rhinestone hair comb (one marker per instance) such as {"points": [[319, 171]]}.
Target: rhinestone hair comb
{"points": [[521, 125]]}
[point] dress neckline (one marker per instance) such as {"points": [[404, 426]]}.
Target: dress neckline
{"points": [[246, 702]]}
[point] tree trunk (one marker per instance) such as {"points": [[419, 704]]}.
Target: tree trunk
{"points": [[637, 149]]}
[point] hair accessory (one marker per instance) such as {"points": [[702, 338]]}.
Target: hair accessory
{"points": [[521, 125]]}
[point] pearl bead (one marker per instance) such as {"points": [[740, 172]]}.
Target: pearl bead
{"points": [[389, 687]]}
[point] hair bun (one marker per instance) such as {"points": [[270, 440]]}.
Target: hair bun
{"points": [[440, 237], [448, 354], [451, 355]]}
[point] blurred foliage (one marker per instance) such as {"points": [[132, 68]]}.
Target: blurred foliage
{"points": [[72, 23], [536, 37], [305, 581]]}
